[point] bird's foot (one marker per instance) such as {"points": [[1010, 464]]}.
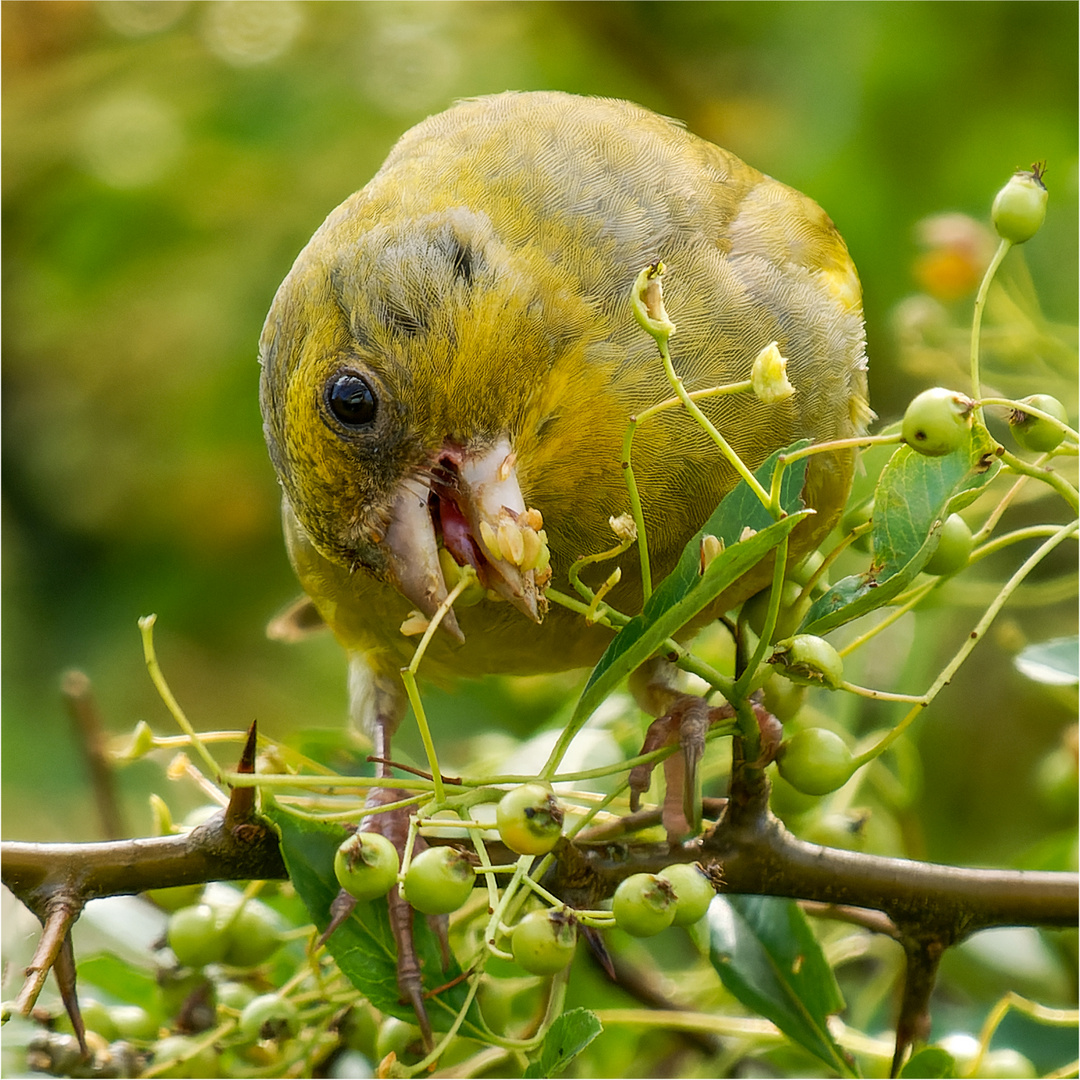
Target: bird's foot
{"points": [[686, 723]]}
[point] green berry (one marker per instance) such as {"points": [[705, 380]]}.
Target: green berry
{"points": [[197, 935], [269, 1016], [366, 865], [438, 881], [347, 1064], [694, 891], [803, 571], [846, 831], [180, 986], [529, 819], [254, 935], [96, 1017], [783, 698], [853, 518], [1033, 432], [398, 1038], [1005, 1063], [756, 608], [179, 1056], [1056, 775], [954, 547], [359, 1029], [815, 761], [1020, 206], [174, 897], [809, 660], [644, 904], [543, 942], [788, 804], [133, 1022], [937, 421], [234, 995]]}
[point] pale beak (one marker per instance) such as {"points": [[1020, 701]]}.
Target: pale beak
{"points": [[491, 500], [413, 554], [476, 509]]}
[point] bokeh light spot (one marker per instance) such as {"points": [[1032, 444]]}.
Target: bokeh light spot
{"points": [[131, 140], [139, 18], [244, 32], [408, 67]]}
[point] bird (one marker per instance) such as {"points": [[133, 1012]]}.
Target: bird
{"points": [[454, 353]]}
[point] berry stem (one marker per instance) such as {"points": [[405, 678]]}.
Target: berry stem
{"points": [[574, 573], [725, 447], [976, 635], [744, 683], [408, 677], [897, 612], [1031, 410], [1032, 532], [879, 695], [1047, 476], [1043, 1014], [146, 628], [976, 322], [628, 470], [858, 442]]}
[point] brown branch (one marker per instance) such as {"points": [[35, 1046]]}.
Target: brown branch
{"points": [[212, 852], [763, 860], [56, 880], [874, 921], [759, 856], [766, 858], [241, 808], [64, 970], [78, 695]]}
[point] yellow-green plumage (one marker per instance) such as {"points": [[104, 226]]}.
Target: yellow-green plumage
{"points": [[481, 284]]}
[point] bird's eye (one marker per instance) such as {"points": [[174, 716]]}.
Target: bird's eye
{"points": [[351, 400]]}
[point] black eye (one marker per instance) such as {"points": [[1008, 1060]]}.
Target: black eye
{"points": [[351, 400]]}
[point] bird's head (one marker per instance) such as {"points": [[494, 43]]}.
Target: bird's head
{"points": [[405, 362]]}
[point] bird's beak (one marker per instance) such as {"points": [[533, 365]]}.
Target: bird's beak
{"points": [[413, 553], [471, 505]]}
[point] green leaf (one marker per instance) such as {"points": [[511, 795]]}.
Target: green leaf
{"points": [[363, 946], [686, 591], [1055, 662], [931, 1063], [767, 956], [913, 497], [570, 1033], [118, 978]]}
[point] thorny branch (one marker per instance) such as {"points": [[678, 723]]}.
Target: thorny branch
{"points": [[927, 907], [758, 856], [55, 881]]}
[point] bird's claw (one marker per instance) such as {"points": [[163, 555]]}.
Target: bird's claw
{"points": [[687, 721]]}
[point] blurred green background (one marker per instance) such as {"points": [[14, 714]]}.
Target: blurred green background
{"points": [[165, 161]]}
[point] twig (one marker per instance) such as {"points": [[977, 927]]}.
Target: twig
{"points": [[79, 699]]}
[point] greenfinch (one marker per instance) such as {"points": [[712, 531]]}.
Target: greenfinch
{"points": [[450, 366], [449, 369]]}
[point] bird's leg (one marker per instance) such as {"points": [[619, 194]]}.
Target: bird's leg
{"points": [[377, 701], [681, 717], [394, 825]]}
